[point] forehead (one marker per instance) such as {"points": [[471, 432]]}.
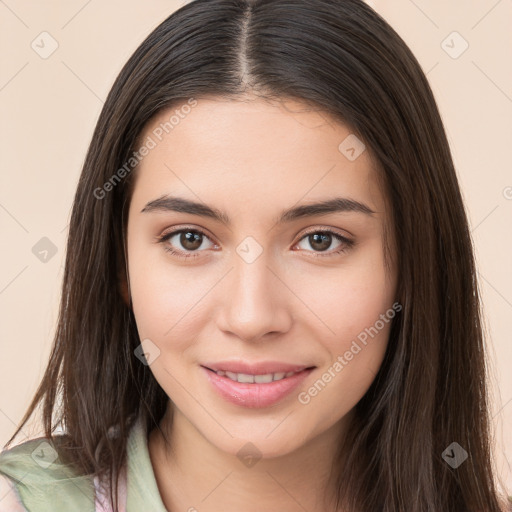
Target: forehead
{"points": [[243, 151]]}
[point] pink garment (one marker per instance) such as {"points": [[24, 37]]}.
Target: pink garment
{"points": [[102, 502]]}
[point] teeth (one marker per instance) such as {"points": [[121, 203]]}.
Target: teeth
{"points": [[258, 379], [263, 379]]}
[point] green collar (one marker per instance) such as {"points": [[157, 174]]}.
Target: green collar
{"points": [[142, 489]]}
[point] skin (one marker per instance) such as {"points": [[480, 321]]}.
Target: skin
{"points": [[253, 159]]}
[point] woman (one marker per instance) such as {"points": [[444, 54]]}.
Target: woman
{"points": [[270, 294]]}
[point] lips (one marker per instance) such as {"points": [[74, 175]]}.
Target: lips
{"points": [[254, 394]]}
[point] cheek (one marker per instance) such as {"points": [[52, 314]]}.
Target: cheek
{"points": [[356, 312], [355, 305], [351, 297], [166, 300]]}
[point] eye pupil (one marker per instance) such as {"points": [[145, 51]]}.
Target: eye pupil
{"points": [[190, 240], [323, 239]]}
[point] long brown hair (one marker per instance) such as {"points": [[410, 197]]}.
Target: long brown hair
{"points": [[342, 57]]}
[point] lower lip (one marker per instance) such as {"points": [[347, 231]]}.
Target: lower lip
{"points": [[255, 395]]}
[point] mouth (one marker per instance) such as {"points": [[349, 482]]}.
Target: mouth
{"points": [[257, 378], [255, 390]]}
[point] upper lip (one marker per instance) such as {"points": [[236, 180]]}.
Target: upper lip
{"points": [[259, 368]]}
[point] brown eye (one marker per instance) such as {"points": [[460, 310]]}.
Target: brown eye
{"points": [[185, 243], [320, 241], [190, 240]]}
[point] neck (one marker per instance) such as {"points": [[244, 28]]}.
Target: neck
{"points": [[193, 474]]}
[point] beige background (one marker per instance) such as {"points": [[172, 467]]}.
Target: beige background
{"points": [[49, 106]]}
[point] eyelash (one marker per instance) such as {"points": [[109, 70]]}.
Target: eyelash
{"points": [[346, 243]]}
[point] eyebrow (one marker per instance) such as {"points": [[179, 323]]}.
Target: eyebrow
{"points": [[179, 204]]}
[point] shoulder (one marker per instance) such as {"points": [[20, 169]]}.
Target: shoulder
{"points": [[37, 480]]}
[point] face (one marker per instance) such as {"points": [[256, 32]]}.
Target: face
{"points": [[233, 279]]}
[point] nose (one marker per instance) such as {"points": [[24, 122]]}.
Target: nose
{"points": [[255, 302]]}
